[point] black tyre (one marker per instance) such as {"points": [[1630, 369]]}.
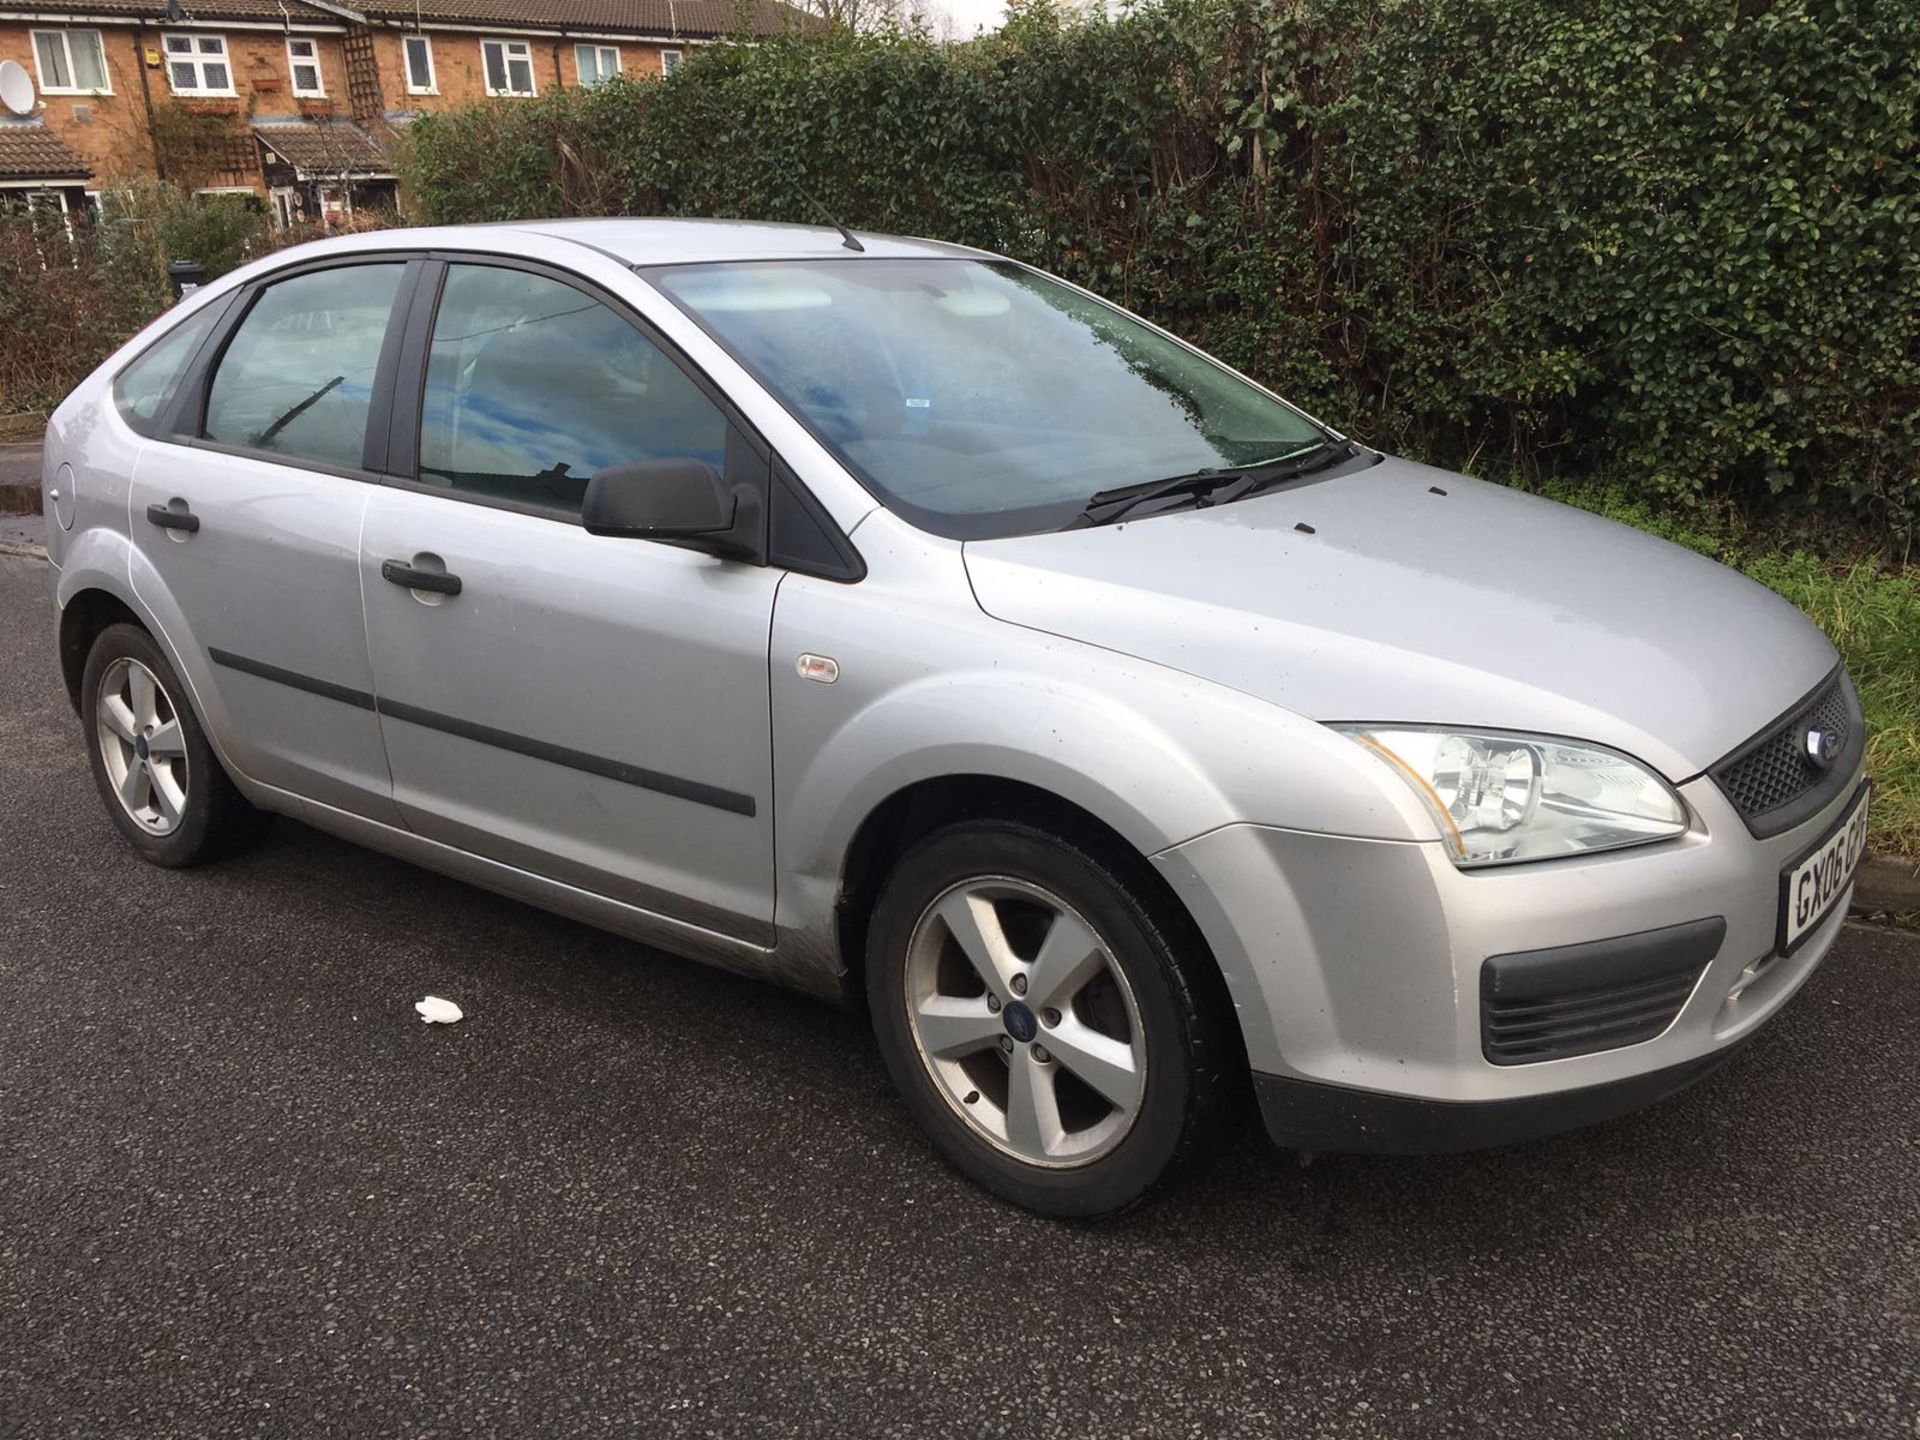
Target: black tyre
{"points": [[157, 776], [1060, 1037]]}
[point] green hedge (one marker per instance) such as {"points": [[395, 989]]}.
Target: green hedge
{"points": [[1675, 243]]}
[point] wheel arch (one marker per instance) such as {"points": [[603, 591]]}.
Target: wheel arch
{"points": [[82, 618], [916, 810]]}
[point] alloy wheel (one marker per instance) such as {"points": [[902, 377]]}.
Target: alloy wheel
{"points": [[1025, 1021], [141, 744]]}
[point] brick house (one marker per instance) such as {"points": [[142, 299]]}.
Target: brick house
{"points": [[301, 103]]}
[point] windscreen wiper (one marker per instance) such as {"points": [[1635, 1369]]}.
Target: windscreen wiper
{"points": [[1107, 505], [1258, 477], [1211, 485]]}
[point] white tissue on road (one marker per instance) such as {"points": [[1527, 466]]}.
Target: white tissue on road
{"points": [[436, 1011]]}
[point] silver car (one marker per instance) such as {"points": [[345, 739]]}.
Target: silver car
{"points": [[899, 623]]}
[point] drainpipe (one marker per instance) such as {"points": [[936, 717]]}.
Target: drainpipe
{"points": [[146, 96], [559, 82]]}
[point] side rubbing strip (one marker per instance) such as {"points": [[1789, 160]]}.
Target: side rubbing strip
{"points": [[709, 795], [331, 691], [619, 770]]}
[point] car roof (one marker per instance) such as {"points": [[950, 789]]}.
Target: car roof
{"points": [[634, 241], [665, 242]]}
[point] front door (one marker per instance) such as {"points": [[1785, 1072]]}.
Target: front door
{"points": [[588, 708], [246, 519]]}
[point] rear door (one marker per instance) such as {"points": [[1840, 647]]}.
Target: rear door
{"points": [[246, 512], [589, 708]]}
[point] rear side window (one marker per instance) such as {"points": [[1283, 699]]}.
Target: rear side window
{"points": [[143, 389], [297, 378], [533, 386]]}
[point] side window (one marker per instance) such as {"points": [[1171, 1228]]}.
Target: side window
{"points": [[297, 378], [532, 386], [141, 391]]}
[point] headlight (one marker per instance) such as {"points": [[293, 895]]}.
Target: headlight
{"points": [[1502, 799]]}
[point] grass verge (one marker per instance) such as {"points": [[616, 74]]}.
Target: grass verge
{"points": [[22, 429], [1872, 614]]}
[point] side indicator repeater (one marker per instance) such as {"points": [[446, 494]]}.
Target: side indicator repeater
{"points": [[822, 668]]}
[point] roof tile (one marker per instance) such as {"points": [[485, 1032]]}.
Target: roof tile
{"points": [[325, 147], [692, 19], [155, 11], [30, 151]]}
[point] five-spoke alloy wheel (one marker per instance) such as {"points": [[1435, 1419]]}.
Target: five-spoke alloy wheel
{"points": [[163, 787], [1023, 1019], [138, 731], [1049, 1020]]}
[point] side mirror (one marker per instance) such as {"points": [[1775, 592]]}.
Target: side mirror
{"points": [[676, 499]]}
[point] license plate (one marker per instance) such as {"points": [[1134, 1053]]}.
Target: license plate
{"points": [[1813, 884]]}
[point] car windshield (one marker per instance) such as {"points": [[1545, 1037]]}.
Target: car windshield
{"points": [[980, 398]]}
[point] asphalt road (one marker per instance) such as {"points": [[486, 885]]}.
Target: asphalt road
{"points": [[244, 1191]]}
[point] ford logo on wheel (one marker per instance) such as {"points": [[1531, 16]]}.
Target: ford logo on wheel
{"points": [[1823, 748]]}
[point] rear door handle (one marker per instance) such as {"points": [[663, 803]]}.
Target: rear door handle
{"points": [[166, 519], [400, 573]]}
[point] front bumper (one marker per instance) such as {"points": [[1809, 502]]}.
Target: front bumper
{"points": [[1306, 1115], [1357, 968]]}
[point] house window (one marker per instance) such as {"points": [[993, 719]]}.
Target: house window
{"points": [[419, 55], [596, 62], [509, 66], [197, 64], [669, 61], [72, 62], [303, 58]]}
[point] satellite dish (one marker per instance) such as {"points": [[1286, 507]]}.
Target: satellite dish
{"points": [[16, 87]]}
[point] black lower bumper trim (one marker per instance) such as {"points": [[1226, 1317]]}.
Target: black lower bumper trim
{"points": [[1307, 1115]]}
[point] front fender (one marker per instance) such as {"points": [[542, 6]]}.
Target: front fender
{"points": [[1062, 737], [930, 687]]}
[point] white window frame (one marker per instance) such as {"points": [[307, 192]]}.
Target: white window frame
{"points": [[199, 60], [294, 63], [506, 68], [406, 64], [600, 54], [670, 61], [65, 37]]}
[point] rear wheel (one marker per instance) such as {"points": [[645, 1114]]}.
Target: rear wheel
{"points": [[1057, 1040], [156, 773]]}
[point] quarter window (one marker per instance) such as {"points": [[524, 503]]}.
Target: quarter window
{"points": [[297, 378], [303, 58], [197, 64], [596, 62], [509, 66], [142, 389], [533, 386], [72, 62], [419, 53]]}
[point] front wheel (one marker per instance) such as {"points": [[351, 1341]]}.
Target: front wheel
{"points": [[1056, 1036]]}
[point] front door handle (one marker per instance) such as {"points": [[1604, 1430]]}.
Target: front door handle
{"points": [[398, 572], [181, 519]]}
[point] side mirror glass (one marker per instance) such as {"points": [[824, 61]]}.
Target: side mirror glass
{"points": [[674, 499]]}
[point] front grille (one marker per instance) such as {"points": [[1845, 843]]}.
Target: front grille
{"points": [[1773, 782], [1595, 995], [1516, 1032]]}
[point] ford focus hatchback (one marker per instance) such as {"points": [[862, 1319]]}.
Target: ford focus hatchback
{"points": [[896, 622]]}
